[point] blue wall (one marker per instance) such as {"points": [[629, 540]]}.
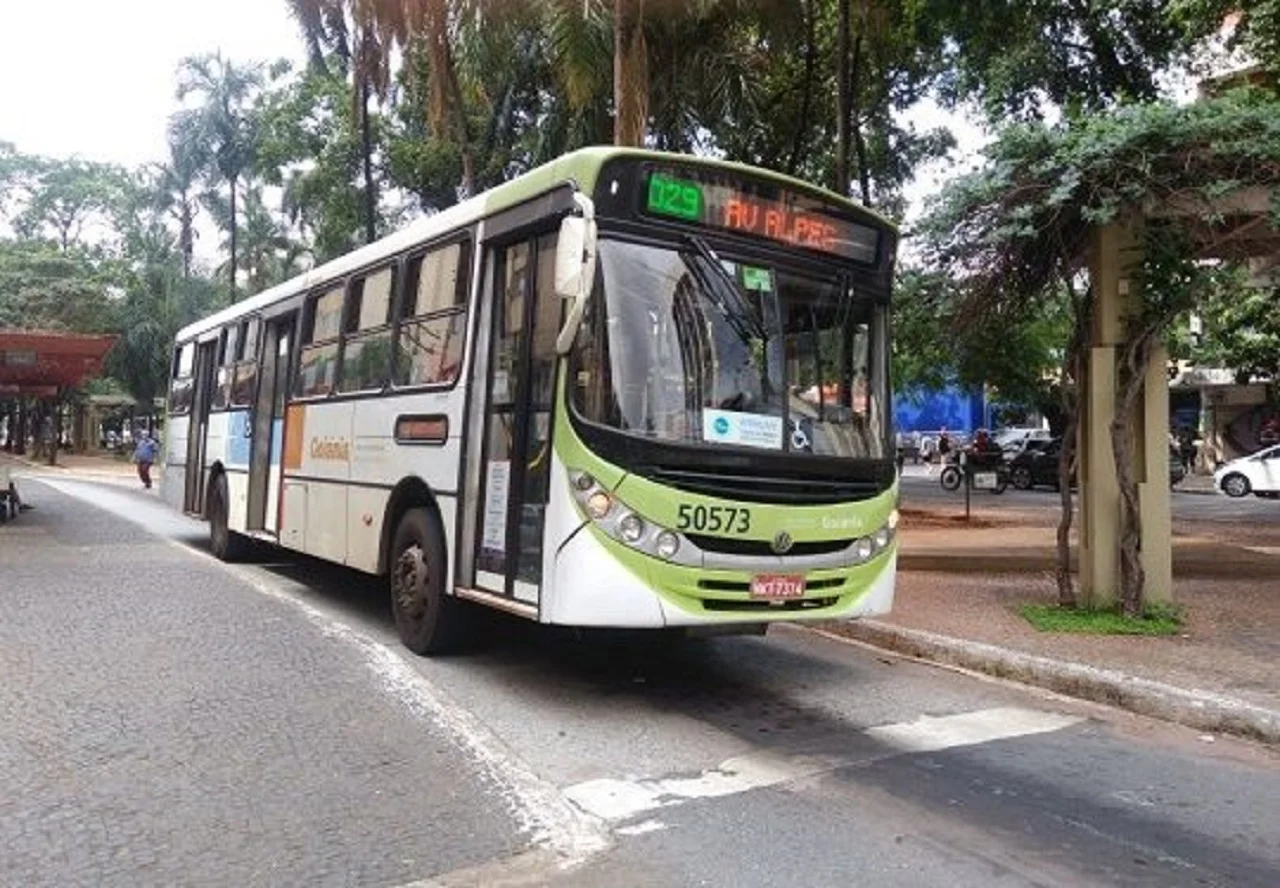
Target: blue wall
{"points": [[927, 411]]}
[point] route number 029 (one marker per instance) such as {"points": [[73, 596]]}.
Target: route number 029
{"points": [[713, 518]]}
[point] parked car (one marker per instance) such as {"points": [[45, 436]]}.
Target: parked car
{"points": [[1037, 465], [1258, 474], [1013, 441]]}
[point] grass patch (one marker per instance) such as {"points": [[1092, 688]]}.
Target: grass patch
{"points": [[1051, 618]]}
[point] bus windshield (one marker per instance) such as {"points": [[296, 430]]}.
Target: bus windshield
{"points": [[682, 345]]}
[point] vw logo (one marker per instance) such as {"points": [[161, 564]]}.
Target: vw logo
{"points": [[782, 542]]}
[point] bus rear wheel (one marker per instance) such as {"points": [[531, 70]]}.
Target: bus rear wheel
{"points": [[224, 543], [428, 620]]}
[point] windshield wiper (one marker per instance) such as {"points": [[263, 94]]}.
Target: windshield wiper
{"points": [[724, 292]]}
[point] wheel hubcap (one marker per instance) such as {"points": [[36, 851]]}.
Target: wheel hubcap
{"points": [[411, 583], [1235, 487]]}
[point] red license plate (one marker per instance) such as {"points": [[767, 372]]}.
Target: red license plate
{"points": [[777, 586]]}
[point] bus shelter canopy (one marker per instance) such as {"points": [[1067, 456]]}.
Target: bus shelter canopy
{"points": [[40, 363]]}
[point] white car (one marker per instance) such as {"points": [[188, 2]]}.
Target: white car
{"points": [[1258, 474]]}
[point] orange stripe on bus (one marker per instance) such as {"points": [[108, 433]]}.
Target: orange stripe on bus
{"points": [[294, 424]]}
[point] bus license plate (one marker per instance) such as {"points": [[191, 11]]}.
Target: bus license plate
{"points": [[777, 586], [985, 480]]}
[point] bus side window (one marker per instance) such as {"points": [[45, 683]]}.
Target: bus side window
{"points": [[367, 337], [434, 317], [245, 374], [180, 392], [226, 364], [317, 362]]}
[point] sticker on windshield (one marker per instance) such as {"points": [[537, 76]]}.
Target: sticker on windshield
{"points": [[746, 429], [760, 279]]}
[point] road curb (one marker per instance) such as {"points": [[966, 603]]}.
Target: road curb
{"points": [[1202, 710]]}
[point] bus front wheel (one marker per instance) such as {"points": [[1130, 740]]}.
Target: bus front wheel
{"points": [[428, 620], [224, 543]]}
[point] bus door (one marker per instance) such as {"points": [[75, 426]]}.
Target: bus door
{"points": [[268, 425], [515, 470], [198, 425]]}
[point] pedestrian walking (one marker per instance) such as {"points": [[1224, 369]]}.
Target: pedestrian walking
{"points": [[145, 455]]}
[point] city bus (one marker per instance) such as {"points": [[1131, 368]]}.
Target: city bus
{"points": [[626, 389]]}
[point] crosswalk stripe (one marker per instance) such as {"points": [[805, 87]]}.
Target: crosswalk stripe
{"points": [[617, 800]]}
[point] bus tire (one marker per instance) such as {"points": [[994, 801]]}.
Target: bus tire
{"points": [[428, 620], [224, 543]]}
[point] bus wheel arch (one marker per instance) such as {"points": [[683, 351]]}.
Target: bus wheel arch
{"points": [[428, 619], [224, 543], [410, 493]]}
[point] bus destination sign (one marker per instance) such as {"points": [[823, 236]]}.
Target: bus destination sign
{"points": [[784, 216]]}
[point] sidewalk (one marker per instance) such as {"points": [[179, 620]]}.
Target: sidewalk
{"points": [[957, 603], [103, 466], [1010, 542]]}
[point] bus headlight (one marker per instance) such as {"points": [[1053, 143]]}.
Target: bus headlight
{"points": [[584, 482], [599, 504], [631, 528], [667, 544], [864, 548], [882, 537]]}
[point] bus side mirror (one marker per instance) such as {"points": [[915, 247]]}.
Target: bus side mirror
{"points": [[575, 268]]}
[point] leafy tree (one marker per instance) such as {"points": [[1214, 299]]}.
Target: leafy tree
{"points": [[311, 145], [67, 196], [1242, 329], [1253, 24], [222, 126], [1015, 57], [1017, 231], [43, 286], [1015, 354]]}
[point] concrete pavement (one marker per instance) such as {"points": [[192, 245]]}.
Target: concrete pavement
{"points": [[166, 724]]}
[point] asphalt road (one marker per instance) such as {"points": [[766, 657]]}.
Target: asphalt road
{"points": [[180, 721], [926, 491]]}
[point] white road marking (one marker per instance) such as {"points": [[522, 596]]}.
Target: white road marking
{"points": [[639, 829], [616, 800], [929, 734]]}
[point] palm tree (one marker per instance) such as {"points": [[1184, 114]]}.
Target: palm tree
{"points": [[221, 128], [176, 184], [329, 24]]}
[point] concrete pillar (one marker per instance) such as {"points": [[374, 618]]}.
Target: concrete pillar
{"points": [[1115, 253]]}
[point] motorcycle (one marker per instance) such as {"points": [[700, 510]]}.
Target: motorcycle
{"points": [[985, 471]]}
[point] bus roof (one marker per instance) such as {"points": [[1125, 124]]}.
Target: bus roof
{"points": [[581, 167]]}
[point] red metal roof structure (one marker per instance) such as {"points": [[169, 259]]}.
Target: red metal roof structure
{"points": [[39, 362]]}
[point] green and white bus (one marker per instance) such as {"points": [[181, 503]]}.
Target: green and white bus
{"points": [[626, 389]]}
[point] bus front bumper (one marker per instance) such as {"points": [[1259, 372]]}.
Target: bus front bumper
{"points": [[600, 583]]}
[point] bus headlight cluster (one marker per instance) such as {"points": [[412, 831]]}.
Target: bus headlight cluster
{"points": [[614, 518], [867, 547]]}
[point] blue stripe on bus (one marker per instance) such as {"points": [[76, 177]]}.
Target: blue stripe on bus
{"points": [[277, 433], [238, 438]]}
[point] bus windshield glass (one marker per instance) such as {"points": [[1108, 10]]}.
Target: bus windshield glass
{"points": [[682, 345]]}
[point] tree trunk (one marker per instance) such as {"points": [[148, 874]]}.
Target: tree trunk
{"points": [[234, 228], [855, 122], [186, 233], [1073, 383], [810, 64], [1132, 373], [366, 147], [843, 101], [630, 74]]}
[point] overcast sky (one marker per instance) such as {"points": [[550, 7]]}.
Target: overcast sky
{"points": [[95, 78]]}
